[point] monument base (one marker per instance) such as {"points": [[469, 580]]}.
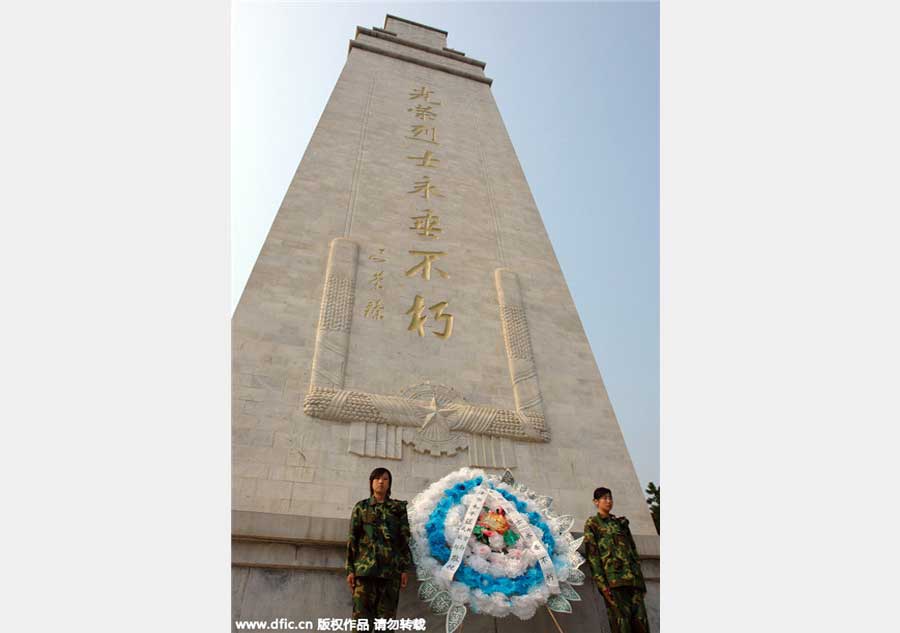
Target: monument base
{"points": [[292, 567]]}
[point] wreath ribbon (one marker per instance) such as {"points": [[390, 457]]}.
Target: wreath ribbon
{"points": [[523, 527], [465, 531], [519, 522]]}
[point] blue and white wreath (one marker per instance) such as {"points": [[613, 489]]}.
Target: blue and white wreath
{"points": [[495, 545]]}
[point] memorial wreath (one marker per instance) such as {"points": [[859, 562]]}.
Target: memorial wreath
{"points": [[495, 545]]}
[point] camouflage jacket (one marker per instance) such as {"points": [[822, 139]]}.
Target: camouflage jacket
{"points": [[378, 546], [611, 553]]}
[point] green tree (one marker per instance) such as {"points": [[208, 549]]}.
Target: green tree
{"points": [[653, 501]]}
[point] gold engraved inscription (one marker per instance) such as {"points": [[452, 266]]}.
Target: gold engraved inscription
{"points": [[423, 133], [374, 310], [417, 322], [426, 160], [425, 266], [423, 112], [426, 225], [426, 188]]}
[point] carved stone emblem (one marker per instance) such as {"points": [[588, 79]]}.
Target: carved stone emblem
{"points": [[435, 436]]}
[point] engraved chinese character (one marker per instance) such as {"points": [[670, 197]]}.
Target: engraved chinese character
{"points": [[422, 93], [423, 112], [380, 256], [417, 323], [439, 315], [374, 310], [422, 133], [425, 187], [426, 225], [377, 280], [418, 319], [428, 258], [426, 160]]}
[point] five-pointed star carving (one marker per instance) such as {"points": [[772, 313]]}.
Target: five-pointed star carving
{"points": [[434, 411]]}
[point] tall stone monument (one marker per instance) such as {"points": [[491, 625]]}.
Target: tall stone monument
{"points": [[407, 311]]}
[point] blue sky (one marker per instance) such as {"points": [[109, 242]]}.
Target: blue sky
{"points": [[577, 86]]}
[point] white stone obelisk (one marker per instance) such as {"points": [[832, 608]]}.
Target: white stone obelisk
{"points": [[407, 310]]}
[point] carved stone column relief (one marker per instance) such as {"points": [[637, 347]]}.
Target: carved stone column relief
{"points": [[335, 316]]}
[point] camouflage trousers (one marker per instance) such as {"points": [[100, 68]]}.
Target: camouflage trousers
{"points": [[375, 598], [627, 613]]}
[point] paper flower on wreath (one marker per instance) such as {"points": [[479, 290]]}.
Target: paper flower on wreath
{"points": [[487, 542]]}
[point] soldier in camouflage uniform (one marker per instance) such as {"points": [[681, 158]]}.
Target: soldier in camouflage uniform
{"points": [[378, 555], [615, 567]]}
